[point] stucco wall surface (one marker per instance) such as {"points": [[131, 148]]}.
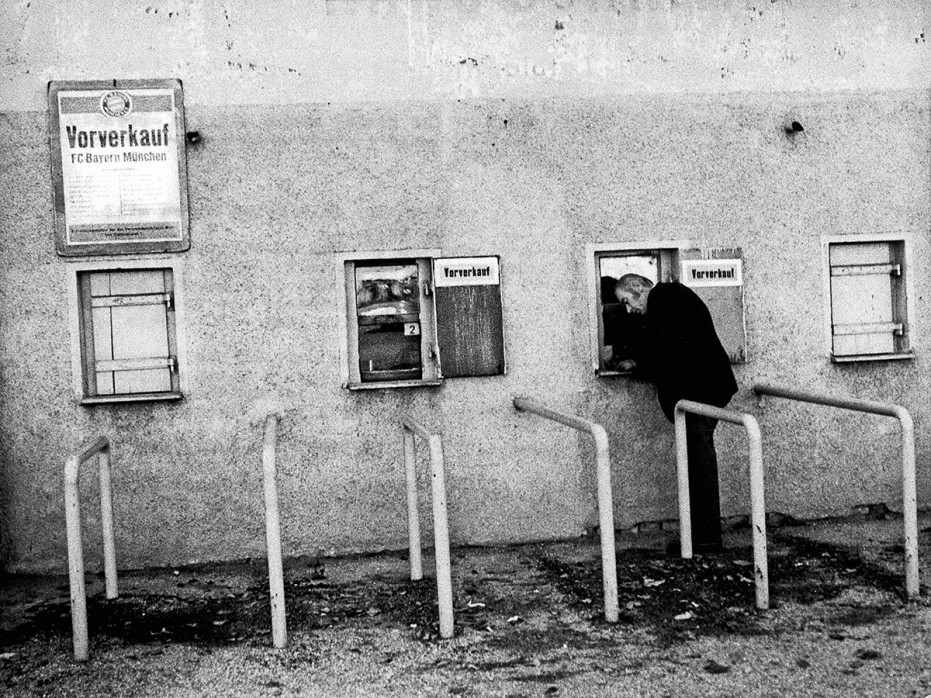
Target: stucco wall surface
{"points": [[524, 129], [277, 195], [289, 51]]}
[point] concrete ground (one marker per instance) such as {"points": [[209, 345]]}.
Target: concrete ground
{"points": [[528, 622]]}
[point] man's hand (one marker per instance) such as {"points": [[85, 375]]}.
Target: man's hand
{"points": [[627, 365]]}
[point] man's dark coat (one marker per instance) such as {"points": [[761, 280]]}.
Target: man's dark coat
{"points": [[684, 357]]}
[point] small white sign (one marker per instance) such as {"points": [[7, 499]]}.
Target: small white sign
{"points": [[411, 329], [466, 271], [712, 272]]}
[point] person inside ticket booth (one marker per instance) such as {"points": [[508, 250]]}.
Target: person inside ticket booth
{"points": [[685, 360]]}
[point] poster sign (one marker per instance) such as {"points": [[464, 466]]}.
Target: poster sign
{"points": [[118, 167], [466, 271], [711, 272]]}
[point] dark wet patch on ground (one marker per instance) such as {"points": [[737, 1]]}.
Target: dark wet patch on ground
{"points": [[672, 599], [678, 600], [210, 615]]}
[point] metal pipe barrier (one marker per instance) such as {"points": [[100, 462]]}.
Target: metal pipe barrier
{"points": [[101, 449], [909, 496], [444, 587], [757, 501], [273, 534], [605, 497]]}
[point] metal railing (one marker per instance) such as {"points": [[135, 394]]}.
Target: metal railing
{"points": [[757, 499], [909, 496], [444, 587], [273, 533], [605, 496], [101, 449]]}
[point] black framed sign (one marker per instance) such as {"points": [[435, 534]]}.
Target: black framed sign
{"points": [[119, 169]]}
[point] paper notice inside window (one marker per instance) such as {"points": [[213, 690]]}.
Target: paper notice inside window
{"points": [[119, 164]]}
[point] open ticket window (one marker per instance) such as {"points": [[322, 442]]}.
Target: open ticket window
{"points": [[388, 303], [415, 321], [621, 333]]}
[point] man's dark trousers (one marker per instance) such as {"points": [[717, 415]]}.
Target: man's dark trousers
{"points": [[703, 481]]}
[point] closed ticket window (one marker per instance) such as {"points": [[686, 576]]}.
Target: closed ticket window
{"points": [[868, 300], [128, 335]]}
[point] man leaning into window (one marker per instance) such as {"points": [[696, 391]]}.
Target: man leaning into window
{"points": [[684, 358]]}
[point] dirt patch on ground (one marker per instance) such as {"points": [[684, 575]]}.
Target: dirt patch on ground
{"points": [[528, 619], [675, 599], [712, 595]]}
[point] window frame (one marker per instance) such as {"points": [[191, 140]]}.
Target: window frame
{"points": [[349, 344], [901, 301], [73, 273], [668, 249]]}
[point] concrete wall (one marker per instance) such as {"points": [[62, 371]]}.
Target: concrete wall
{"points": [[527, 130]]}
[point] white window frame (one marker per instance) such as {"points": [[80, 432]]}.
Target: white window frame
{"points": [[348, 330], [905, 239], [72, 272], [593, 252]]}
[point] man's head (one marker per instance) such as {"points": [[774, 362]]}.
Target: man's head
{"points": [[632, 291]]}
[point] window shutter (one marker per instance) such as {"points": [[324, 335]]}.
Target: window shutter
{"points": [[716, 275], [862, 314], [469, 321], [132, 346]]}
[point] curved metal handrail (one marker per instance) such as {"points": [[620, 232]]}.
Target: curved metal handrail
{"points": [[757, 499], [605, 495], [909, 488]]}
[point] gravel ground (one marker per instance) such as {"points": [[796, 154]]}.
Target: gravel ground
{"points": [[529, 622]]}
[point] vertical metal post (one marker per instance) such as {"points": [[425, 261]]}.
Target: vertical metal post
{"points": [[76, 561], [606, 523], [441, 539], [909, 503], [413, 514], [682, 476], [106, 517], [758, 513], [273, 535]]}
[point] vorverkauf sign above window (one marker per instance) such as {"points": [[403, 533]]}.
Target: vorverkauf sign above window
{"points": [[118, 167]]}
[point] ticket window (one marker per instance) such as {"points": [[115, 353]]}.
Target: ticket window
{"points": [[413, 322], [621, 333], [391, 316], [868, 299], [127, 335], [714, 274]]}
